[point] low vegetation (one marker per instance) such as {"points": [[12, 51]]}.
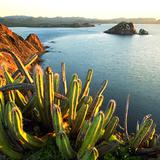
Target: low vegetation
{"points": [[39, 120]]}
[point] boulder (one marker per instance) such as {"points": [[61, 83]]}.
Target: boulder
{"points": [[34, 40], [22, 48], [143, 32], [122, 28]]}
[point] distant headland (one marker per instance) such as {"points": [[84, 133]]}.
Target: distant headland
{"points": [[26, 21]]}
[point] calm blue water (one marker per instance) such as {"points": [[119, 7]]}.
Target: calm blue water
{"points": [[130, 63]]}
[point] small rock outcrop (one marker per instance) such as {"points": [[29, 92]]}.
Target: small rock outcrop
{"points": [[143, 32], [34, 40], [23, 48], [122, 28]]}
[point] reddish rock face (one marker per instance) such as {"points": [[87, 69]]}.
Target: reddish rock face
{"points": [[34, 40], [23, 48]]}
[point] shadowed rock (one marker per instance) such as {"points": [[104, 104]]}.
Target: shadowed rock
{"points": [[34, 40], [143, 32], [122, 28]]}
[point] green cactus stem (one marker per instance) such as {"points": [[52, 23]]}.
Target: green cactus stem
{"points": [[5, 145], [27, 86], [87, 84], [57, 119], [82, 133], [126, 118], [92, 134], [91, 154], [95, 106], [27, 140], [31, 60], [140, 135], [111, 127], [102, 88], [109, 111], [86, 99], [64, 146], [48, 92], [80, 118], [73, 97], [63, 71], [19, 65]]}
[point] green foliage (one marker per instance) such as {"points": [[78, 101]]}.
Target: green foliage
{"points": [[122, 153], [48, 152]]}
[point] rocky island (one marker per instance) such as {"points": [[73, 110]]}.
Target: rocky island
{"points": [[143, 32], [23, 48], [125, 28]]}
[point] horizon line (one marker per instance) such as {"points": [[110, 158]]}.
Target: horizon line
{"points": [[82, 17]]}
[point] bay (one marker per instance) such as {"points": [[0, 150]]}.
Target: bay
{"points": [[130, 63]]}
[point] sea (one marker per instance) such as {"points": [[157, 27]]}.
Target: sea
{"points": [[131, 64]]}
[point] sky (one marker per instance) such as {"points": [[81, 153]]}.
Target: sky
{"points": [[102, 9]]}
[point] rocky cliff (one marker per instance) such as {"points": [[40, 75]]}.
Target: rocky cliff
{"points": [[24, 48]]}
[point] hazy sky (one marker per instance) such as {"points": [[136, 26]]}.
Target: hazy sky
{"points": [[83, 8]]}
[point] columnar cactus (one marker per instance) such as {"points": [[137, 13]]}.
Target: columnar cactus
{"points": [[73, 120]]}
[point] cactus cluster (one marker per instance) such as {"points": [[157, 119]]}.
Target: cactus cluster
{"points": [[68, 115]]}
